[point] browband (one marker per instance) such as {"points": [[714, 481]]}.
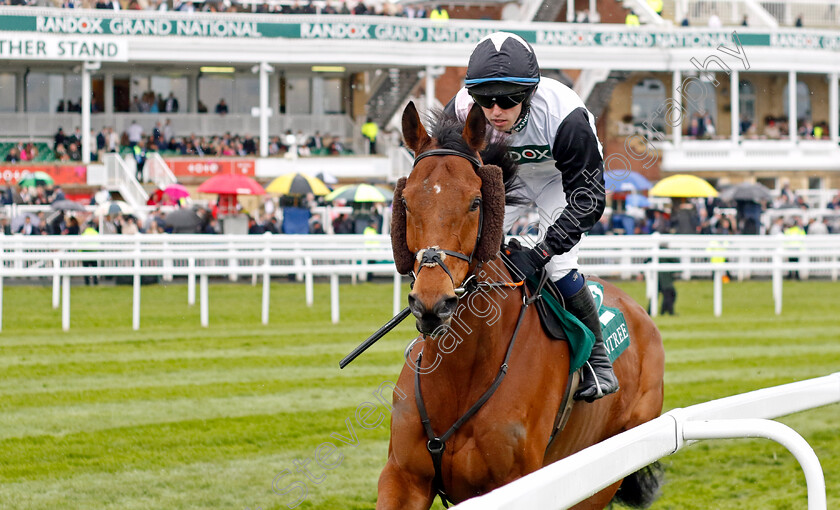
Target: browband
{"points": [[448, 152]]}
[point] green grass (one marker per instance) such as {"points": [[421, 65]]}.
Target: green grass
{"points": [[178, 416]]}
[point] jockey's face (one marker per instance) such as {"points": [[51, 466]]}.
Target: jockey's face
{"points": [[500, 119]]}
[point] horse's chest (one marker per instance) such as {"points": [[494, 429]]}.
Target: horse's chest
{"points": [[485, 460]]}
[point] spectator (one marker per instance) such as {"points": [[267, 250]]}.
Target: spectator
{"points": [[438, 14], [59, 138], [369, 131], [201, 107], [632, 19], [135, 133], [28, 228], [799, 21], [656, 6], [714, 21], [171, 104], [13, 156], [222, 107], [745, 21]]}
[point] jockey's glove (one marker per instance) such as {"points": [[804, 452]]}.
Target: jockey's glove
{"points": [[526, 263]]}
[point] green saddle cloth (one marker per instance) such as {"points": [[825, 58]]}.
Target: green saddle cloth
{"points": [[581, 339]]}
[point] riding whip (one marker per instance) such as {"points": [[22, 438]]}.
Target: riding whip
{"points": [[388, 326]]}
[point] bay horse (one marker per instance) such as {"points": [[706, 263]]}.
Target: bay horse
{"points": [[447, 230]]}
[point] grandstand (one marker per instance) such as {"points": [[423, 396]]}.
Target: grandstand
{"points": [[765, 95]]}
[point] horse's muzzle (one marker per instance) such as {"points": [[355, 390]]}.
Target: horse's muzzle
{"points": [[434, 320]]}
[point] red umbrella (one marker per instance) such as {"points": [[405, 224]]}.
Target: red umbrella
{"points": [[227, 186], [231, 184]]}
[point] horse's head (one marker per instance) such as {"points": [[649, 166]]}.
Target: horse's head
{"points": [[448, 214]]}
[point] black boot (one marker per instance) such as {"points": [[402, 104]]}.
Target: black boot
{"points": [[598, 376]]}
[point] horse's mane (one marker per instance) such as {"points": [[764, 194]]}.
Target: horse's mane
{"points": [[447, 129]]}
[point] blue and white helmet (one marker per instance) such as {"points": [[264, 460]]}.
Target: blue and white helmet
{"points": [[502, 63]]}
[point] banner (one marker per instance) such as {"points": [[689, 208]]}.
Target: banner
{"points": [[47, 47], [206, 167], [398, 30], [11, 174]]}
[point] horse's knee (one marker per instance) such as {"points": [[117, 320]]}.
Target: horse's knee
{"points": [[400, 490]]}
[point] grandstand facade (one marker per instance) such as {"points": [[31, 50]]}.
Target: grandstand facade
{"points": [[726, 101]]}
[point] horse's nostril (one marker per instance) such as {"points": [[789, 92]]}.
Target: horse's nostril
{"points": [[416, 306], [446, 307]]}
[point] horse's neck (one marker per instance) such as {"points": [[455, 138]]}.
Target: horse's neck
{"points": [[482, 326]]}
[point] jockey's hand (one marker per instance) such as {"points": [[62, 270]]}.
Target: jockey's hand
{"points": [[525, 263]]}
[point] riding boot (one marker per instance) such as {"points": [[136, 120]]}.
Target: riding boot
{"points": [[598, 376]]}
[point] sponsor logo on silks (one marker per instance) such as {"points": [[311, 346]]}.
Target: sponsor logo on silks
{"points": [[530, 153]]}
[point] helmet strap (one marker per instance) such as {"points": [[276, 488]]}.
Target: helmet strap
{"points": [[525, 114]]}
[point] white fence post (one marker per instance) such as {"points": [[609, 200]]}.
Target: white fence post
{"points": [[266, 284], [65, 303], [205, 309], [308, 281], [777, 279], [334, 298], [718, 292], [135, 315], [56, 296], [397, 292], [191, 281]]}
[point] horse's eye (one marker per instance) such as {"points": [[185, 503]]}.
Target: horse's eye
{"points": [[405, 206], [475, 204]]}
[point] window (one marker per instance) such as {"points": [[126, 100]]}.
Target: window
{"points": [[334, 95], [803, 102], [297, 95], [212, 89], [746, 105], [7, 92], [44, 92], [648, 99]]}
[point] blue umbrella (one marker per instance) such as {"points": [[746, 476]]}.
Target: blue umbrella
{"points": [[625, 180], [636, 200]]}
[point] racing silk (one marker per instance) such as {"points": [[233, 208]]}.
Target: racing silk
{"points": [[557, 134]]}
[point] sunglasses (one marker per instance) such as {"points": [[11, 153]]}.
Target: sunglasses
{"points": [[505, 102]]}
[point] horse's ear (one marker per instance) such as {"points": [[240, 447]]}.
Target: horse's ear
{"points": [[475, 129], [414, 133], [403, 258], [493, 202]]}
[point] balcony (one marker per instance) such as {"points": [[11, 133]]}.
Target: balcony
{"points": [[749, 155]]}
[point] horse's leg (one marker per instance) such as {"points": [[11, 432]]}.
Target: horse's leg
{"points": [[400, 490], [599, 500]]}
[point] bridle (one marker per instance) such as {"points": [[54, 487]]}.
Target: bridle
{"points": [[432, 256]]}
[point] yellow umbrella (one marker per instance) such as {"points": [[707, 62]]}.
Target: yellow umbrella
{"points": [[683, 185], [297, 184]]}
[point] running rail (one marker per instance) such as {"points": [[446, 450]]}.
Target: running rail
{"points": [[748, 415]]}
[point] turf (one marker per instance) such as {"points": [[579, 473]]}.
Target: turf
{"points": [[178, 416]]}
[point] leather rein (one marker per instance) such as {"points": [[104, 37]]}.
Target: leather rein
{"points": [[429, 257]]}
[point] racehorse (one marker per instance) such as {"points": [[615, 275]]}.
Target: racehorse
{"points": [[475, 328]]}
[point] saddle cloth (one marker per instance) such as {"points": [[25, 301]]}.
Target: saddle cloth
{"points": [[560, 324]]}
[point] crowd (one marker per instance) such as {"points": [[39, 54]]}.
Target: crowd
{"points": [[711, 216]]}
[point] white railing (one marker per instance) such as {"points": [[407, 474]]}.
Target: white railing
{"points": [[119, 175], [815, 13], [157, 171], [731, 13], [307, 256], [579, 476]]}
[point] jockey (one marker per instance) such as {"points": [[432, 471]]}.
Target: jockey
{"points": [[552, 136]]}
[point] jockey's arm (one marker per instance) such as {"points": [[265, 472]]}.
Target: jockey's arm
{"points": [[577, 155]]}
